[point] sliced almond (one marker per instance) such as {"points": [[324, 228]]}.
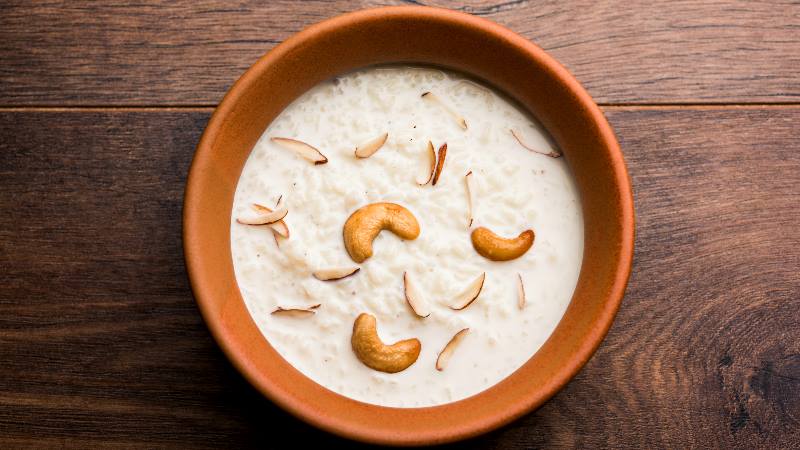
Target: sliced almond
{"points": [[469, 295], [432, 157], [263, 218], [447, 351], [301, 148], [296, 311], [280, 228], [336, 273], [440, 162], [368, 148], [551, 153], [414, 298], [470, 190], [520, 292], [430, 96]]}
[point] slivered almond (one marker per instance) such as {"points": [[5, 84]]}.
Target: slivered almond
{"points": [[432, 156], [296, 311], [368, 148], [263, 218], [447, 351], [440, 162], [336, 273], [414, 298], [301, 148], [280, 228], [520, 292], [430, 96], [469, 295], [551, 153], [470, 190]]}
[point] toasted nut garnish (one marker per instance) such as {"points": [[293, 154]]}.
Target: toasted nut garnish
{"points": [[440, 162], [301, 148], [414, 298], [520, 292], [280, 228], [470, 190], [262, 217], [365, 224], [469, 294], [296, 311], [447, 351], [551, 153], [432, 157], [335, 274], [368, 148], [435, 99], [496, 248], [371, 351]]}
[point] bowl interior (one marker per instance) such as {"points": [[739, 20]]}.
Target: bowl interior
{"points": [[428, 36]]}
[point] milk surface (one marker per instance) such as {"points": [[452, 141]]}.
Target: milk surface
{"points": [[516, 189]]}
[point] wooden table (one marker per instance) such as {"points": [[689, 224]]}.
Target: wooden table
{"points": [[100, 110]]}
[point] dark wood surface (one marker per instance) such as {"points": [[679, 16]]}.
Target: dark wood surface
{"points": [[190, 51], [101, 343]]}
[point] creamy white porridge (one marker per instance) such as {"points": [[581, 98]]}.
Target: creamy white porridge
{"points": [[515, 189]]}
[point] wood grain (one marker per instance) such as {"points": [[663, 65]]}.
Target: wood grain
{"points": [[189, 52], [100, 338], [101, 343]]}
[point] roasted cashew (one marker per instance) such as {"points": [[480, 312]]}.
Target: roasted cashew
{"points": [[496, 248], [375, 354], [365, 224]]}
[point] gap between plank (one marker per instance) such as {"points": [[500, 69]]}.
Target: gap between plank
{"points": [[211, 107], [697, 106], [109, 108]]}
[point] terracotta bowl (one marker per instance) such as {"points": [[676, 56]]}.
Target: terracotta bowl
{"points": [[415, 35]]}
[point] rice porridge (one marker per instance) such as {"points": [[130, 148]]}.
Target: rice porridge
{"points": [[451, 275]]}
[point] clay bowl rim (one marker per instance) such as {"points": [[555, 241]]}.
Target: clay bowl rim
{"points": [[228, 139]]}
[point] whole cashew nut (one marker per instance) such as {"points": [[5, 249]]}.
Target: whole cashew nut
{"points": [[371, 351], [496, 248], [365, 224]]}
